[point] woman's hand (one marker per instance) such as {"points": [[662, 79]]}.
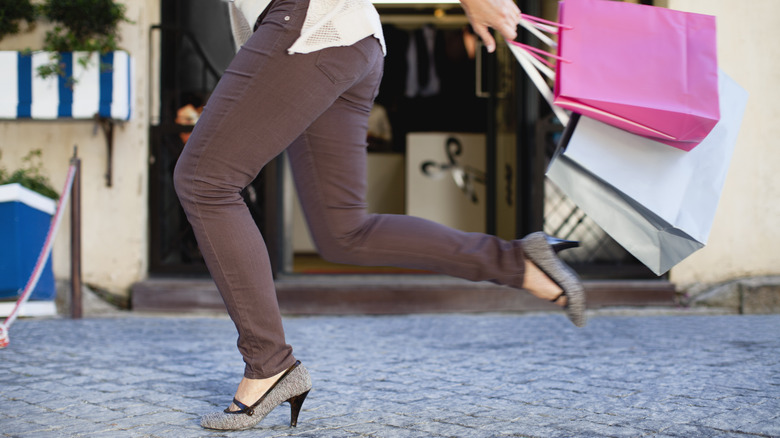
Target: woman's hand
{"points": [[501, 15]]}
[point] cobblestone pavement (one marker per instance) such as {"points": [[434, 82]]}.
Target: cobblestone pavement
{"points": [[403, 376]]}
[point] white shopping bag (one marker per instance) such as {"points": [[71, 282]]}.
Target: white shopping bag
{"points": [[657, 201]]}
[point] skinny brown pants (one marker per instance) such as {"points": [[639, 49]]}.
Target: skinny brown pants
{"points": [[316, 107]]}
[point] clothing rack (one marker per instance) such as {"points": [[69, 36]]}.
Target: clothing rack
{"points": [[441, 15], [417, 20]]}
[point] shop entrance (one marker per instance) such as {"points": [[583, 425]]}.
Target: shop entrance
{"points": [[426, 139], [457, 136]]}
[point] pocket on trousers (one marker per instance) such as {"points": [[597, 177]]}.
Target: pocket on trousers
{"points": [[342, 64]]}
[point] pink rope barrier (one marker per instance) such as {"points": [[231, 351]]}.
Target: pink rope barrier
{"points": [[43, 257]]}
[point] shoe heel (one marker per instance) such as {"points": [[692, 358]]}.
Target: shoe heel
{"points": [[559, 245], [295, 407]]}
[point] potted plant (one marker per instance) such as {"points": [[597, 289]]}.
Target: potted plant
{"points": [[87, 26], [12, 13], [30, 176], [80, 73], [27, 203]]}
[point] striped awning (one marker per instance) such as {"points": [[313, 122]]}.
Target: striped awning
{"points": [[103, 87]]}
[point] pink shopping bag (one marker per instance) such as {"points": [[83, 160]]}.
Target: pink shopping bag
{"points": [[648, 70]]}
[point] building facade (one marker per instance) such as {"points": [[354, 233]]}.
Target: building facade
{"points": [[116, 214]]}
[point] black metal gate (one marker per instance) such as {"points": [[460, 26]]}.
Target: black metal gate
{"points": [[195, 48]]}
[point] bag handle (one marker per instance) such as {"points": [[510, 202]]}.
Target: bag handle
{"points": [[533, 60], [531, 66], [541, 22], [540, 64], [536, 53], [539, 33], [538, 27]]}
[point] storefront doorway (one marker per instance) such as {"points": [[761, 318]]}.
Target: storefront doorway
{"points": [[458, 135]]}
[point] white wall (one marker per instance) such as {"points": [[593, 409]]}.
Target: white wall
{"points": [[114, 219], [743, 241]]}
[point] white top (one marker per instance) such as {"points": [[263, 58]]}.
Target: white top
{"points": [[329, 23]]}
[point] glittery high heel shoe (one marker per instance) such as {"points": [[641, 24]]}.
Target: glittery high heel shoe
{"points": [[538, 249], [292, 387]]}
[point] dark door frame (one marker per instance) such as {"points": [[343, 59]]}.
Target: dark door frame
{"points": [[530, 162]]}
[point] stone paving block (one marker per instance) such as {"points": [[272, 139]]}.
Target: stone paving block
{"points": [[158, 430], [589, 427], [695, 431], [92, 412], [76, 380], [392, 419], [31, 396], [765, 427], [35, 371], [435, 428], [194, 407], [139, 410], [97, 397], [157, 418], [757, 420], [501, 426], [52, 418], [21, 424], [678, 416], [112, 433], [362, 417], [325, 433], [157, 398], [577, 403], [19, 406], [363, 429], [395, 432], [531, 431], [68, 425], [48, 433]]}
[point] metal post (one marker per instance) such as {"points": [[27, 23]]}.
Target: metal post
{"points": [[75, 239]]}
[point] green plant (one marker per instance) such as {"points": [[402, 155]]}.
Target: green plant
{"points": [[31, 175], [12, 12], [80, 26]]}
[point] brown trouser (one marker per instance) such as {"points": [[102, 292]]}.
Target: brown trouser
{"points": [[316, 107]]}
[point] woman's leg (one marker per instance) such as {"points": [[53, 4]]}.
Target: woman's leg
{"points": [[264, 101], [329, 168]]}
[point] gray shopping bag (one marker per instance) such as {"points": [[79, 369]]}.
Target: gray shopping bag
{"points": [[657, 201]]}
